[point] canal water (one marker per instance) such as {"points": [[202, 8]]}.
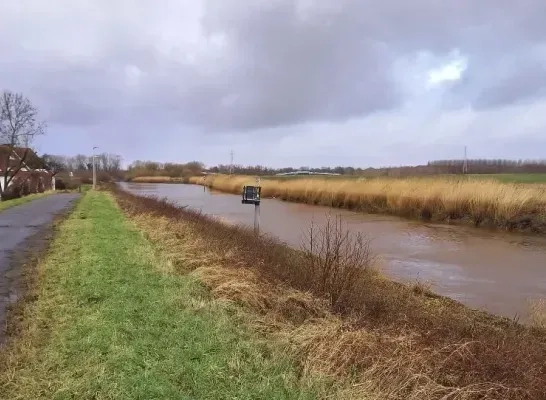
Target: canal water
{"points": [[499, 272]]}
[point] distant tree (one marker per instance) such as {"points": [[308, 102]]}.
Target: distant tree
{"points": [[54, 164], [81, 162]]}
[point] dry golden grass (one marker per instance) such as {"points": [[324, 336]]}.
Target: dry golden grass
{"points": [[481, 202], [538, 313], [398, 342]]}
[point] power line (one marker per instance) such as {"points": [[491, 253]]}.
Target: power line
{"points": [[231, 163]]}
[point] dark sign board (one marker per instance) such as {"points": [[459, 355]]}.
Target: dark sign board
{"points": [[251, 195]]}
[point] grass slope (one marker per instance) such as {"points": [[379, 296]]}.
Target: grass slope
{"points": [[22, 200], [107, 324]]}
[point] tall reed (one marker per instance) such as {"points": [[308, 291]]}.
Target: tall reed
{"points": [[480, 202]]}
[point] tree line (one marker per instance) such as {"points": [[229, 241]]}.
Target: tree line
{"points": [[437, 167], [152, 168], [492, 166], [105, 162]]}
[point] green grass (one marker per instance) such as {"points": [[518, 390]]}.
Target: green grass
{"points": [[107, 324], [22, 200], [514, 178]]}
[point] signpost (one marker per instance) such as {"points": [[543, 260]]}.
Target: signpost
{"points": [[252, 195]]}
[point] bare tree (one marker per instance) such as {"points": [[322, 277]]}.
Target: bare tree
{"points": [[54, 163], [18, 128], [81, 161]]}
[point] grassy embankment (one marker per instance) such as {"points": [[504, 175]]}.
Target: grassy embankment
{"points": [[108, 319], [479, 202], [22, 200], [328, 308]]}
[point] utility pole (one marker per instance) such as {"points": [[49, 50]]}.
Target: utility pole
{"points": [[94, 169], [465, 162], [231, 162]]}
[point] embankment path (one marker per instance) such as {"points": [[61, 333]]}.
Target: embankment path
{"points": [[23, 231]]}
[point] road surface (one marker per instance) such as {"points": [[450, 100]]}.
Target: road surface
{"points": [[23, 232]]}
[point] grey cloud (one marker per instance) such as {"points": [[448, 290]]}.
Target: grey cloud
{"points": [[261, 64], [517, 77]]}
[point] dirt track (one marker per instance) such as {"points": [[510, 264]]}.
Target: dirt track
{"points": [[23, 234]]}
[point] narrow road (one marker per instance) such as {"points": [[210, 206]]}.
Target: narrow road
{"points": [[23, 232]]}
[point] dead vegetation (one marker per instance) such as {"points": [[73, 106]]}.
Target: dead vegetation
{"points": [[508, 206], [325, 303]]}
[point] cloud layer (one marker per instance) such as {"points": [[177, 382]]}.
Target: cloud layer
{"points": [[282, 82]]}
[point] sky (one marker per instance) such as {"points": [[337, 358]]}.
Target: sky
{"points": [[282, 82]]}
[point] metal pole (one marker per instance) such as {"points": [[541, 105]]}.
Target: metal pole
{"points": [[231, 163], [257, 219], [257, 212]]}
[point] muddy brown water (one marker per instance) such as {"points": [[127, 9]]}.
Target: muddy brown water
{"points": [[498, 272]]}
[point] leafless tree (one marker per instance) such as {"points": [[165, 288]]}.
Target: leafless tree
{"points": [[19, 126], [54, 163], [81, 161]]}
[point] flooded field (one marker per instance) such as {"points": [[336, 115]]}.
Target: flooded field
{"points": [[495, 271]]}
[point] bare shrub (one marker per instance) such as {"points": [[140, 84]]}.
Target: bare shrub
{"points": [[335, 260]]}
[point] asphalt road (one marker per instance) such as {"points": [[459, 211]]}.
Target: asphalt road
{"points": [[23, 232]]}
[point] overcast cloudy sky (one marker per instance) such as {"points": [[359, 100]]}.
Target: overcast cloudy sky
{"points": [[282, 82]]}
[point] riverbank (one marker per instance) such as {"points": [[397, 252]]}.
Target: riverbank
{"points": [[506, 206], [107, 317], [341, 319]]}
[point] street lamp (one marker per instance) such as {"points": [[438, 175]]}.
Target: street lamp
{"points": [[94, 169]]}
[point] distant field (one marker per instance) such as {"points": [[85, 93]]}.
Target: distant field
{"points": [[511, 178], [516, 178], [288, 177]]}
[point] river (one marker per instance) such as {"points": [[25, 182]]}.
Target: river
{"points": [[495, 271]]}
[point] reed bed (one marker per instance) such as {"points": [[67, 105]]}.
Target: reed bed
{"points": [[325, 304], [508, 206]]}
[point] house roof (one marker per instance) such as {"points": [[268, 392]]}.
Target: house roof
{"points": [[15, 154]]}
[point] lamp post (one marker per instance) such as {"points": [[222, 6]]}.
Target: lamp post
{"points": [[94, 169]]}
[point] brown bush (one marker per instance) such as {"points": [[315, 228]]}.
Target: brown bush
{"points": [[335, 261], [393, 340]]}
